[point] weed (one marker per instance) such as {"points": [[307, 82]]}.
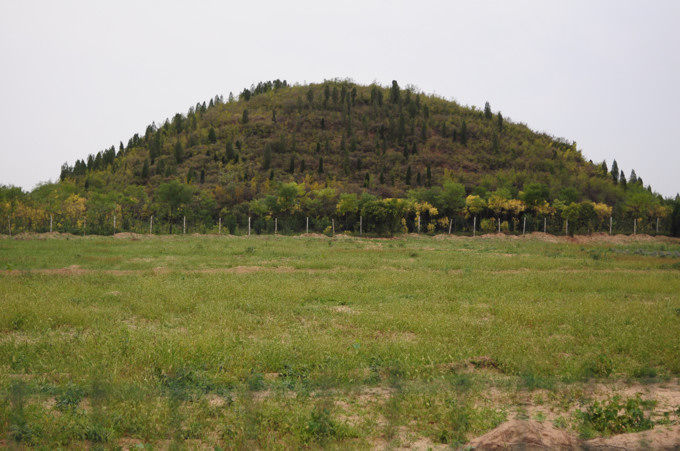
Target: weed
{"points": [[615, 416], [69, 399]]}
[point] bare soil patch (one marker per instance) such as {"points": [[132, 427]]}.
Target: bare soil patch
{"points": [[518, 434]]}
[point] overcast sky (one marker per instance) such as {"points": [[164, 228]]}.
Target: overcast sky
{"points": [[79, 76]]}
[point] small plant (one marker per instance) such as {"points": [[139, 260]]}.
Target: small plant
{"points": [[250, 250], [69, 398], [615, 416], [320, 427]]}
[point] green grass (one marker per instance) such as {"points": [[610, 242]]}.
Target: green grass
{"points": [[270, 341]]}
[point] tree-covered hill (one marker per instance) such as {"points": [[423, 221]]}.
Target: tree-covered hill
{"points": [[321, 141]]}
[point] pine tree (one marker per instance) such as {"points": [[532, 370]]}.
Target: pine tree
{"points": [[244, 118], [326, 95], [323, 123], [145, 170], [622, 180], [429, 176], [271, 175], [418, 179], [212, 137], [487, 111], [615, 172], [267, 157], [302, 166], [495, 146], [229, 153], [382, 177], [320, 169], [633, 177], [603, 168], [274, 115], [318, 147], [394, 93], [367, 180], [178, 152], [310, 97], [463, 133], [500, 122], [291, 165], [202, 176], [407, 179]]}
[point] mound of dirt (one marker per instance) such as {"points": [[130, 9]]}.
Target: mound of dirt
{"points": [[518, 434], [129, 235]]}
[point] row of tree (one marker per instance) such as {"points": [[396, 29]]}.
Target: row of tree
{"points": [[67, 208]]}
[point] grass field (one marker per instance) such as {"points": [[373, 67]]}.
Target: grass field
{"points": [[310, 341]]}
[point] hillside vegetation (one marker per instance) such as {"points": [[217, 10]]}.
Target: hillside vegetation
{"points": [[338, 150]]}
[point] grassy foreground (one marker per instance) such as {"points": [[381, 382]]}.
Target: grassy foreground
{"points": [[310, 341]]}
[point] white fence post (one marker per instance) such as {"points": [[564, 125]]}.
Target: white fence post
{"points": [[151, 225], [418, 223], [184, 225], [84, 226], [361, 225], [248, 225], [524, 226], [450, 224], [276, 226], [499, 225], [9, 224], [332, 227], [114, 223], [474, 226], [566, 227], [307, 226], [545, 225], [219, 226], [635, 226], [657, 222], [610, 225]]}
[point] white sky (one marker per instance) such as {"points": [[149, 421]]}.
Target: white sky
{"points": [[79, 76]]}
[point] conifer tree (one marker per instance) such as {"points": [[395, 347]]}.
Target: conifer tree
{"points": [[622, 179], [320, 168], [178, 152], [145, 170], [291, 165], [267, 157], [407, 179], [463, 133], [394, 93], [500, 122], [274, 115], [212, 137], [202, 176], [429, 176], [382, 177], [310, 97], [418, 179], [367, 180], [487, 111], [271, 175], [326, 95], [615, 172], [244, 117], [302, 166], [633, 177]]}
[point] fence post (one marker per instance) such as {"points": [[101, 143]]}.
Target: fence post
{"points": [[361, 225], [84, 226], [307, 226], [545, 225], [499, 225], [474, 226], [114, 223], [332, 227], [248, 225], [657, 222], [419, 223], [450, 224], [151, 225], [566, 227], [9, 224], [276, 225], [184, 225], [635, 226], [610, 225], [524, 226]]}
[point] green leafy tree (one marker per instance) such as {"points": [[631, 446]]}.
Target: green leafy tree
{"points": [[174, 196]]}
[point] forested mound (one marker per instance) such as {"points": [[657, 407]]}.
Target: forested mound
{"points": [[338, 150]]}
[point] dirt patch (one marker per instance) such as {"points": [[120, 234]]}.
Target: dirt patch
{"points": [[661, 437], [342, 309], [129, 236], [518, 434]]}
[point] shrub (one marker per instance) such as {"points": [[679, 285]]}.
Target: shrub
{"points": [[615, 417]]}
